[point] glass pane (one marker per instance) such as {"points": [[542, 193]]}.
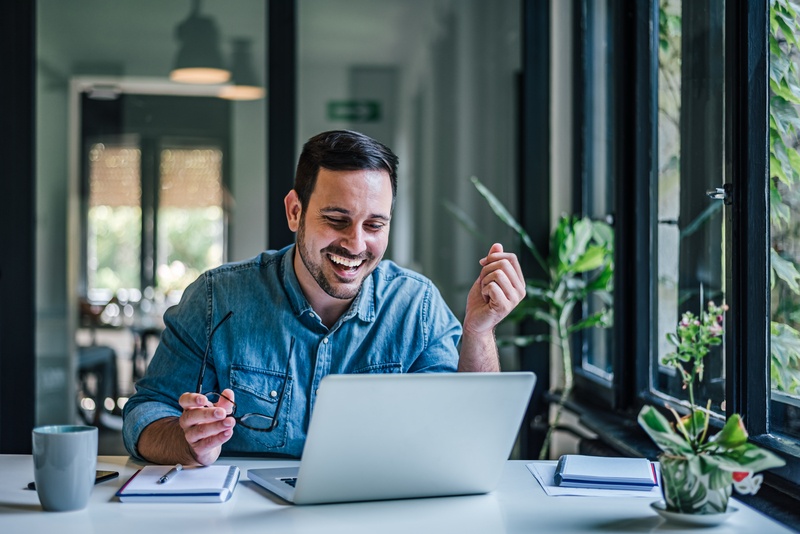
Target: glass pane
{"points": [[784, 232], [597, 187], [190, 215], [114, 225], [690, 155]]}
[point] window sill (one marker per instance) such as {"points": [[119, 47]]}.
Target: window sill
{"points": [[777, 498]]}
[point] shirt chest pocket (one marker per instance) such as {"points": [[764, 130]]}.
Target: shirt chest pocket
{"points": [[379, 368], [258, 391]]}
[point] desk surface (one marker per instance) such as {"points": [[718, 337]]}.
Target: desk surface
{"points": [[518, 505]]}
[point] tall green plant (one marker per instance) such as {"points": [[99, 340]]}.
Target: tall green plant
{"points": [[579, 264]]}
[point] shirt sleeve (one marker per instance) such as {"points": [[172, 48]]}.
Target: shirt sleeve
{"points": [[174, 368], [441, 334]]}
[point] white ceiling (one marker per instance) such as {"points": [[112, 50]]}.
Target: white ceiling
{"points": [[139, 34]]}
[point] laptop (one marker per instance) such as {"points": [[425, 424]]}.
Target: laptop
{"points": [[400, 436]]}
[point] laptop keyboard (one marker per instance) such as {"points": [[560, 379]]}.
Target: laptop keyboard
{"points": [[290, 481]]}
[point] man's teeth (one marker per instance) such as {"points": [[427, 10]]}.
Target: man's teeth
{"points": [[344, 261]]}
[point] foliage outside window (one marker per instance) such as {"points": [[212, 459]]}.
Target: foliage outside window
{"points": [[784, 184], [114, 220], [189, 221], [190, 216]]}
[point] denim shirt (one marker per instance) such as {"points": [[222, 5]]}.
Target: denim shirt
{"points": [[398, 323]]}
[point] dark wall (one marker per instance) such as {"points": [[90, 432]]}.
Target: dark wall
{"points": [[17, 226]]}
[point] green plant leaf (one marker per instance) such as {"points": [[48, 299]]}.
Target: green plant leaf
{"points": [[603, 234], [590, 260], [746, 457], [600, 319], [662, 433], [602, 281], [464, 219], [787, 27], [504, 215], [779, 212], [784, 357], [785, 270], [784, 113], [776, 169], [732, 435]]}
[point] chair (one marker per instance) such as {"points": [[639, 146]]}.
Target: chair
{"points": [[97, 378]]}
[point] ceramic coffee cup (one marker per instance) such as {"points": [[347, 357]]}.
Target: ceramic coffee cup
{"points": [[64, 462]]}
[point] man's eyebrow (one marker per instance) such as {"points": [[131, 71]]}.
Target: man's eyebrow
{"points": [[335, 209]]}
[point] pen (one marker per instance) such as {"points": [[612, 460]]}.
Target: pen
{"points": [[170, 474]]}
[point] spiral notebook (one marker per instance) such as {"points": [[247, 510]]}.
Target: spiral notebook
{"points": [[214, 483]]}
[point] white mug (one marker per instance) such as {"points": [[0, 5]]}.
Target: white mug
{"points": [[64, 462]]}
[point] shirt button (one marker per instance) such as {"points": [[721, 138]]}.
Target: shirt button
{"points": [[273, 393], [325, 340], [311, 314]]}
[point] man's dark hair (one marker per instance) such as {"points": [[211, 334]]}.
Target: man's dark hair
{"points": [[341, 150]]}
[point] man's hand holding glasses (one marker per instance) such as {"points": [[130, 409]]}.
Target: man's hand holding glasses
{"points": [[206, 425]]}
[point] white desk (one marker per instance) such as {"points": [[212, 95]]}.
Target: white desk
{"points": [[518, 505]]}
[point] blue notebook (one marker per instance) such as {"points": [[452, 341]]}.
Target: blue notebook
{"points": [[579, 471], [214, 483]]}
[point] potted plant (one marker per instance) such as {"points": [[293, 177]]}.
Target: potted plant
{"points": [[579, 264], [698, 471]]}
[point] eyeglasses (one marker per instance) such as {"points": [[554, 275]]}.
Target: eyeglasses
{"points": [[253, 421]]}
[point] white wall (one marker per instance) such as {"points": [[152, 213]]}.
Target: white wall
{"points": [[464, 80]]}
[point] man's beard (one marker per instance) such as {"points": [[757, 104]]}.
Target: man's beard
{"points": [[342, 291]]}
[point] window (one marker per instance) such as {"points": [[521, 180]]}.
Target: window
{"points": [[190, 215], [596, 185], [701, 117], [114, 222], [154, 196], [690, 257]]}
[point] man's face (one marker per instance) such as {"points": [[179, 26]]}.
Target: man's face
{"points": [[344, 232]]}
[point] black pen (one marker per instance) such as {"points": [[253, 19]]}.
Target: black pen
{"points": [[170, 474]]}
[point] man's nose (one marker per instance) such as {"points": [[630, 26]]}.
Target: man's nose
{"points": [[354, 239]]}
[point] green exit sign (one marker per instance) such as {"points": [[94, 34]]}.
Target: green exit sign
{"points": [[354, 110]]}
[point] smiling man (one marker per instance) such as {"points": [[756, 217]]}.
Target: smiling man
{"points": [[257, 337]]}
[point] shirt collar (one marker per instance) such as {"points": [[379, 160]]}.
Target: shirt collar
{"points": [[363, 305]]}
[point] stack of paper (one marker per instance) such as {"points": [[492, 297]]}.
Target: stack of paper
{"points": [[578, 471]]}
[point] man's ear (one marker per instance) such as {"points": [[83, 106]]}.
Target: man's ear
{"points": [[293, 210]]}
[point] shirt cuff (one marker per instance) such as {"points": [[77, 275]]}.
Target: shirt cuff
{"points": [[140, 417]]}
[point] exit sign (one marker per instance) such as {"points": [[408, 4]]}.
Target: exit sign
{"points": [[354, 110]]}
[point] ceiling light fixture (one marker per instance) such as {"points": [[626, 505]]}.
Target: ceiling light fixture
{"points": [[245, 84], [199, 57]]}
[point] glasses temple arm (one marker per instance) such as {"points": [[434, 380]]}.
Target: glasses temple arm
{"points": [[199, 388]]}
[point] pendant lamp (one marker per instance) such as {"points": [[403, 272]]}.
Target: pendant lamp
{"points": [[244, 81], [199, 57]]}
